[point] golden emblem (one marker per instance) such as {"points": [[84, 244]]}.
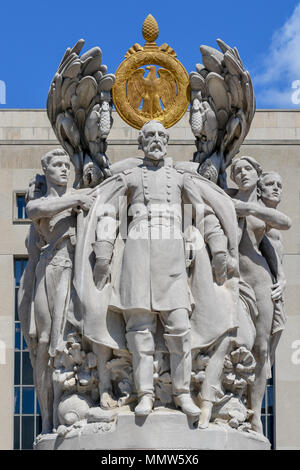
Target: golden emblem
{"points": [[161, 94]]}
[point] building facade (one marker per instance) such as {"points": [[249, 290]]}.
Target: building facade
{"points": [[26, 135]]}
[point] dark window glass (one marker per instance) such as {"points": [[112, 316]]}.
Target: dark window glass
{"points": [[38, 410], [270, 422], [19, 268], [263, 419], [28, 400], [268, 410], [38, 425], [17, 400], [21, 204], [27, 432], [25, 347], [17, 368], [27, 372], [17, 336], [263, 406], [24, 398], [270, 394], [16, 304], [17, 432], [18, 271]]}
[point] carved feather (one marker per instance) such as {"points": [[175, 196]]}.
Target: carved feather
{"points": [[136, 88], [79, 84], [198, 83], [223, 46], [106, 82], [93, 65], [218, 91], [227, 89], [166, 87], [212, 59], [232, 64], [86, 91], [78, 46]]}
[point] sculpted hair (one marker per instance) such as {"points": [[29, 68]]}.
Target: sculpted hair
{"points": [[250, 160], [45, 160], [263, 175], [141, 133]]}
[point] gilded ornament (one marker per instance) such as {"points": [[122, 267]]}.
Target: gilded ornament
{"points": [[143, 91], [150, 29]]}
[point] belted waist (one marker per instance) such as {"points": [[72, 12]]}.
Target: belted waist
{"points": [[163, 219]]}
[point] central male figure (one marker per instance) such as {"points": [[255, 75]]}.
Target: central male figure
{"points": [[152, 279]]}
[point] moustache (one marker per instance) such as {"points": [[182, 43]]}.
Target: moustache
{"points": [[156, 146]]}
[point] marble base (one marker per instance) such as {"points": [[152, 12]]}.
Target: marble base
{"points": [[162, 429]]}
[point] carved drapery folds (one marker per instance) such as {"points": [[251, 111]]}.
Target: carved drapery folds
{"points": [[168, 314]]}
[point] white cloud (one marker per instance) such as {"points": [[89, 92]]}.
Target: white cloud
{"points": [[281, 66]]}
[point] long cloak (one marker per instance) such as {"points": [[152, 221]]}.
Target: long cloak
{"points": [[215, 307]]}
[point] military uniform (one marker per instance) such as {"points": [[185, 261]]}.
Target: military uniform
{"points": [[152, 277]]}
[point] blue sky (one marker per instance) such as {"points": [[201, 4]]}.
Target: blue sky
{"points": [[35, 34]]}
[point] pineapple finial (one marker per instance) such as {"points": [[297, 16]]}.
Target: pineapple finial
{"points": [[150, 29]]}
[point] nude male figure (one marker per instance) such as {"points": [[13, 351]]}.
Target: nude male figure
{"points": [[270, 193], [55, 221]]}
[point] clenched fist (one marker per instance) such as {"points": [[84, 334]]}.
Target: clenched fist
{"points": [[86, 201], [219, 267]]}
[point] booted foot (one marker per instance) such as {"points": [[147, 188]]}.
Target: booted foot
{"points": [[144, 406], [185, 402], [206, 409]]}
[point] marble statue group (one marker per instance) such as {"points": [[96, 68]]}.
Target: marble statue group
{"points": [[152, 284]]}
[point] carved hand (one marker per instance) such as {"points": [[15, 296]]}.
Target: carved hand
{"points": [[86, 201], [101, 272], [277, 290], [219, 267]]}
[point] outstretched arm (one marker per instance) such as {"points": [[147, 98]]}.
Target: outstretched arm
{"points": [[49, 206], [272, 217]]}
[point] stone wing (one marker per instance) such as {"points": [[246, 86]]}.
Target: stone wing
{"points": [[223, 84], [79, 92]]}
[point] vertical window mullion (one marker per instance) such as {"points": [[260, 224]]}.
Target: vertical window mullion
{"points": [[21, 393], [34, 414], [267, 409]]}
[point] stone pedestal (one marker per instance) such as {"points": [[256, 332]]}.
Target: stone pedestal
{"points": [[161, 430]]}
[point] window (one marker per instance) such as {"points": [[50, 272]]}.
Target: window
{"points": [[19, 207], [27, 419], [268, 410]]}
